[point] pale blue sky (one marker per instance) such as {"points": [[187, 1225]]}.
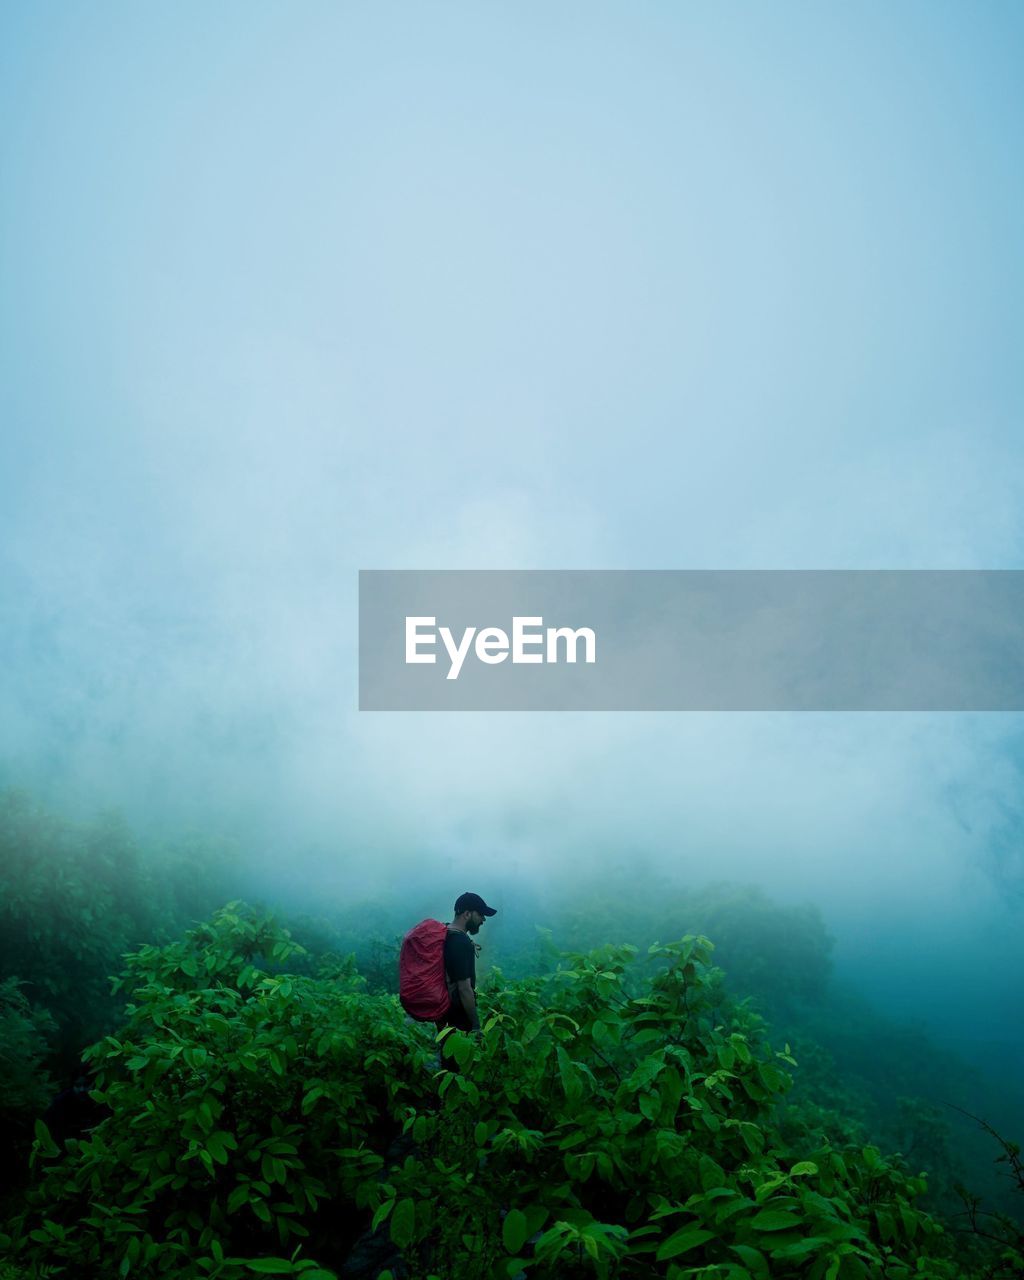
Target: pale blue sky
{"points": [[290, 291]]}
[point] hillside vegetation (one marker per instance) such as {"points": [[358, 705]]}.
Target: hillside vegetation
{"points": [[265, 1108]]}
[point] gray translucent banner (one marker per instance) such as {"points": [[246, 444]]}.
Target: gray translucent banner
{"points": [[691, 640]]}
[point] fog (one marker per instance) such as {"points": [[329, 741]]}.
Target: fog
{"points": [[290, 293]]}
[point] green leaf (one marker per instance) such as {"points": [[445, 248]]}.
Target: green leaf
{"points": [[514, 1231], [753, 1258], [740, 1045], [44, 1139], [775, 1220], [461, 1048], [382, 1212], [571, 1085], [237, 1198], [218, 1144], [812, 1244], [403, 1223], [271, 1266], [536, 1216], [683, 1240], [646, 1071], [910, 1220]]}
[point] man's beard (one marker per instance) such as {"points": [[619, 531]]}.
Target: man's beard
{"points": [[473, 928]]}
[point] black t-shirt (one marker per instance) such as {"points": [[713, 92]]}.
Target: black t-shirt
{"points": [[459, 963], [460, 957]]}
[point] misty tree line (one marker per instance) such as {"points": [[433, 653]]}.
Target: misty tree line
{"points": [[822, 1075]]}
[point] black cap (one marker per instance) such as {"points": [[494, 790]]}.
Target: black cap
{"points": [[473, 902]]}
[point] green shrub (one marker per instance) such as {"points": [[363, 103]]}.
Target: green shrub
{"points": [[250, 1111], [618, 1118], [25, 1087]]}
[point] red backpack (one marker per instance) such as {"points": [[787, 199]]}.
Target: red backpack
{"points": [[422, 983]]}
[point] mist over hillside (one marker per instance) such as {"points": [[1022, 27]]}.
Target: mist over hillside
{"points": [[291, 293]]}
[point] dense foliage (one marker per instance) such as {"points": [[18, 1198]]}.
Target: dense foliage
{"points": [[264, 1107], [617, 1117], [73, 900], [25, 1084], [75, 897], [866, 1076]]}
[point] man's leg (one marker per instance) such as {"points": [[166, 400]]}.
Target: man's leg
{"points": [[459, 1024]]}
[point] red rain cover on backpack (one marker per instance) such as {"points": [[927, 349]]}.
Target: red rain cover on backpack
{"points": [[422, 984]]}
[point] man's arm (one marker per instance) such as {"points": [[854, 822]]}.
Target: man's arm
{"points": [[468, 997]]}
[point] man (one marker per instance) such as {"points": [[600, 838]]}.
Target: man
{"points": [[460, 961]]}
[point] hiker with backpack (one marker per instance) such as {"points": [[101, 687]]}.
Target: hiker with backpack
{"points": [[437, 967]]}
